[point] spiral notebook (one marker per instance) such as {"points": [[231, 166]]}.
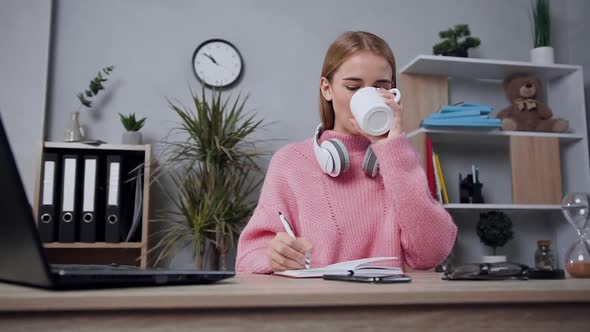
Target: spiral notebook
{"points": [[377, 265]]}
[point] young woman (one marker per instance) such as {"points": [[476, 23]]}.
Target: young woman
{"points": [[348, 214]]}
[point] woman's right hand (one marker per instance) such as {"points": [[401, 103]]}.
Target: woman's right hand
{"points": [[287, 253]]}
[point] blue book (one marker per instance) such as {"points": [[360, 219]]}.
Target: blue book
{"points": [[457, 114], [484, 109], [482, 119], [474, 122]]}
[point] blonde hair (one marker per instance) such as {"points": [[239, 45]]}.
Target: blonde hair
{"points": [[341, 49]]}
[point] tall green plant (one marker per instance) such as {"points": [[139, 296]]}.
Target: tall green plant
{"points": [[541, 19], [215, 171]]}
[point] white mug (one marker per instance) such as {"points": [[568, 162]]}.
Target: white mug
{"points": [[371, 112]]}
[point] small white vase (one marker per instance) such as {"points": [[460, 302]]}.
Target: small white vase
{"points": [[543, 55], [131, 137], [74, 132], [494, 259]]}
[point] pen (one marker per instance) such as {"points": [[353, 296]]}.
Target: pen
{"points": [[286, 225], [289, 231]]}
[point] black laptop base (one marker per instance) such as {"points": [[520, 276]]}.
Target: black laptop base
{"points": [[101, 280], [22, 255]]}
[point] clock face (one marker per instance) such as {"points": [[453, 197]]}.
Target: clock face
{"points": [[217, 63]]}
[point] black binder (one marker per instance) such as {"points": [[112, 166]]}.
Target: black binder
{"points": [[48, 209], [92, 192], [114, 188], [69, 216]]}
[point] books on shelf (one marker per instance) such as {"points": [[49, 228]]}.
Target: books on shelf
{"points": [[434, 174], [464, 115], [482, 109], [430, 168], [441, 180]]}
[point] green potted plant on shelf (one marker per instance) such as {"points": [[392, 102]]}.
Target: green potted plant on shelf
{"points": [[75, 132], [457, 41], [543, 52], [132, 127], [212, 164], [494, 229]]}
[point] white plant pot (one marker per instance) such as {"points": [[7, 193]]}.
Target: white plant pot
{"points": [[494, 259], [543, 55], [131, 137]]}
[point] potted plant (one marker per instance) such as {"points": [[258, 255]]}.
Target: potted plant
{"points": [[494, 230], [456, 42], [75, 132], [213, 167], [132, 125], [543, 52]]}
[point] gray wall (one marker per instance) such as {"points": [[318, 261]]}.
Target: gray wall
{"points": [[282, 43], [24, 54], [571, 37]]}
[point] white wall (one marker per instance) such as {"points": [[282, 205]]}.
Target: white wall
{"points": [[24, 54], [283, 44]]}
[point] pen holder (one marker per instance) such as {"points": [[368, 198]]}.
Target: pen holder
{"points": [[476, 196], [470, 192]]}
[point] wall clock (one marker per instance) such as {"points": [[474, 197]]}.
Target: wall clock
{"points": [[217, 63]]}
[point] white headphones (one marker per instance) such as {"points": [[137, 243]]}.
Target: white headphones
{"points": [[334, 159]]}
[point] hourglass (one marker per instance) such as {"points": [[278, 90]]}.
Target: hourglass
{"points": [[575, 209]]}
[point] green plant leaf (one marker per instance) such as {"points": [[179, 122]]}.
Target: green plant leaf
{"points": [[541, 21], [456, 41], [94, 87], [494, 229], [212, 162], [130, 123]]}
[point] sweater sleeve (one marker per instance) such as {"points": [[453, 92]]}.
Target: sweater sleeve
{"points": [[262, 227], [253, 243], [427, 230]]}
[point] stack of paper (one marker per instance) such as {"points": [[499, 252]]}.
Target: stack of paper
{"points": [[464, 115]]}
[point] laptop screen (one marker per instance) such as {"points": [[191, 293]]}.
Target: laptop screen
{"points": [[22, 257]]}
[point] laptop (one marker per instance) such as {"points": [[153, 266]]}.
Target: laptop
{"points": [[23, 260]]}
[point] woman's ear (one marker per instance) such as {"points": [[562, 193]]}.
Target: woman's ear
{"points": [[326, 89]]}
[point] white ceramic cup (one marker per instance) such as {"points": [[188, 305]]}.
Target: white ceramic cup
{"points": [[371, 112]]}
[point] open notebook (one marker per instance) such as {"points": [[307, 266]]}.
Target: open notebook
{"points": [[377, 265]]}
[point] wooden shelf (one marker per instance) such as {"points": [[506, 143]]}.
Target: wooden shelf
{"points": [[134, 253], [532, 207], [98, 245], [483, 68], [110, 147], [490, 136]]}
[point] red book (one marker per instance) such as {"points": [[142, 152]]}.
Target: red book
{"points": [[430, 168]]}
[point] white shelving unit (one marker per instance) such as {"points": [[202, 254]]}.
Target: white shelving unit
{"points": [[429, 82], [484, 68]]}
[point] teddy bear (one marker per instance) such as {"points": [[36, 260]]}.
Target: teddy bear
{"points": [[526, 112]]}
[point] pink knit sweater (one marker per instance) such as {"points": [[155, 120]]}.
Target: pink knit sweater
{"points": [[352, 216]]}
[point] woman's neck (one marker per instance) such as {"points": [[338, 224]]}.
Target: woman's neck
{"points": [[340, 128], [353, 143]]}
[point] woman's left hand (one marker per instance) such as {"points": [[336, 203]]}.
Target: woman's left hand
{"points": [[396, 127]]}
